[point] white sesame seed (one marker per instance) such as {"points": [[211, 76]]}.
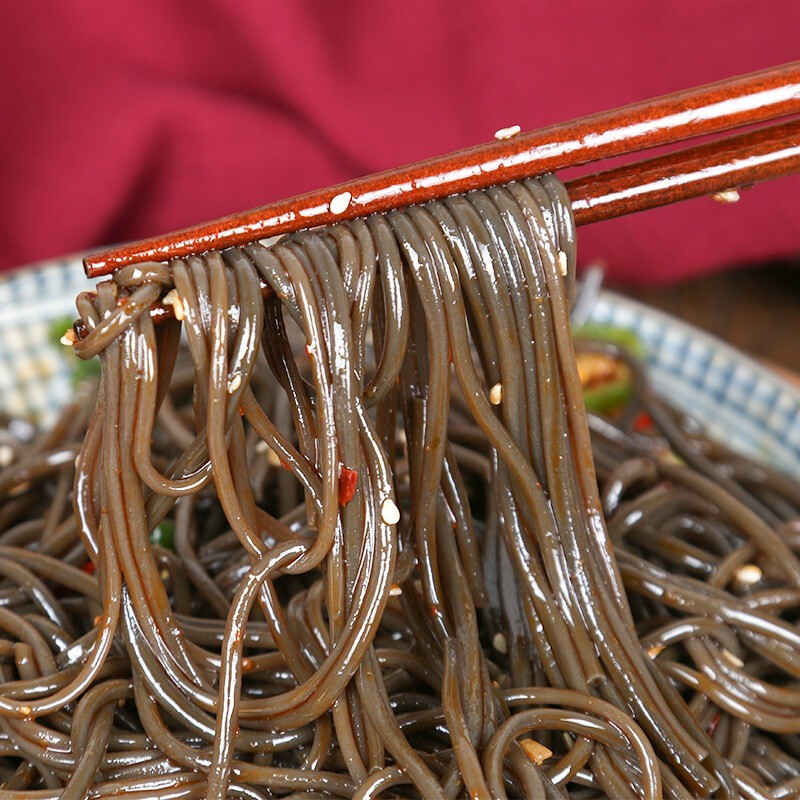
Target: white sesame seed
{"points": [[653, 651], [172, 298], [390, 513], [562, 263], [499, 643], [507, 133], [749, 574], [234, 383], [732, 659], [6, 455], [69, 338], [339, 204], [395, 590], [727, 196], [496, 394]]}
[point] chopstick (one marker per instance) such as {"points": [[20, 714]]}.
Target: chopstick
{"points": [[708, 168], [736, 161], [714, 108]]}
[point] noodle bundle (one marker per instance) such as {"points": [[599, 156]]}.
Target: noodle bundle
{"points": [[359, 538]]}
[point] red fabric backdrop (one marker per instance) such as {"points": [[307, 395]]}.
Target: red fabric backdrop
{"points": [[126, 119]]}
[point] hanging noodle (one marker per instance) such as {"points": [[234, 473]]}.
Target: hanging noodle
{"points": [[392, 571]]}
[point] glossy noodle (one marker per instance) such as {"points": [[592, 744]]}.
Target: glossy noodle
{"points": [[356, 537]]}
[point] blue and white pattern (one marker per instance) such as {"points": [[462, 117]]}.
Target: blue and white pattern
{"points": [[34, 375], [738, 401]]}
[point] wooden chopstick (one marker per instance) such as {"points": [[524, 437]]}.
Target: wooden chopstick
{"points": [[735, 161], [728, 163], [717, 107]]}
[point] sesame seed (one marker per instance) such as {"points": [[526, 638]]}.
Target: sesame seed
{"points": [[732, 659], [727, 196], [653, 651], [339, 204], [499, 643], [395, 590], [536, 752], [172, 298], [6, 455], [507, 133], [562, 263], [390, 513], [234, 383], [25, 710], [496, 394], [69, 338], [749, 574]]}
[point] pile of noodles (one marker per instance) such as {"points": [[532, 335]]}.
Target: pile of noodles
{"points": [[393, 573]]}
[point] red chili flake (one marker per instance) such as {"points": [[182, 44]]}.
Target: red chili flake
{"points": [[643, 422], [347, 484], [284, 464], [241, 411], [712, 726], [88, 567]]}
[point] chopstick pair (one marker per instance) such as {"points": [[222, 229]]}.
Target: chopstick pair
{"points": [[712, 167]]}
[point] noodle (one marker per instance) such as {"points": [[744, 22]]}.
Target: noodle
{"points": [[359, 538]]}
